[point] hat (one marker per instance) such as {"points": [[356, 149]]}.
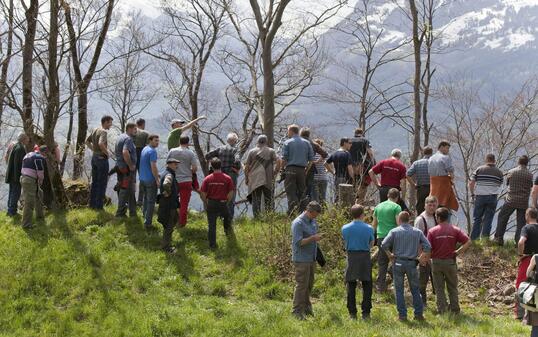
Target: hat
{"points": [[313, 207], [176, 120], [172, 160]]}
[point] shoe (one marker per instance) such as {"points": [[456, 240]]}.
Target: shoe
{"points": [[402, 318], [353, 316], [133, 215], [150, 228], [420, 318], [309, 312], [213, 246], [29, 226], [299, 316], [170, 250], [365, 316]]}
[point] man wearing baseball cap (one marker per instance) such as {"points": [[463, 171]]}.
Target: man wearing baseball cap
{"points": [[168, 203], [178, 127]]}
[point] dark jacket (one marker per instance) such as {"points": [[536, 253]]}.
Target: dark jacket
{"points": [[14, 165], [167, 203]]}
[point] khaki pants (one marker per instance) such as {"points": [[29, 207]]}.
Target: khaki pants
{"points": [[304, 281], [33, 199], [445, 272]]}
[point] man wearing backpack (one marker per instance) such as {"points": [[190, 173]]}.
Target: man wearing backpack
{"points": [[426, 221]]}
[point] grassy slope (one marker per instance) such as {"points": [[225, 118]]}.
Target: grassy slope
{"points": [[86, 274]]}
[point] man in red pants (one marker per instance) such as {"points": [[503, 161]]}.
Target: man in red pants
{"points": [[188, 164], [527, 246]]}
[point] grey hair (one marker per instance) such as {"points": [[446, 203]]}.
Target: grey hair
{"points": [[21, 136], [262, 139], [396, 153], [232, 138]]}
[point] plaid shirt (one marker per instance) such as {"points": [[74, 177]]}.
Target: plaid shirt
{"points": [[419, 170], [229, 157], [519, 181]]}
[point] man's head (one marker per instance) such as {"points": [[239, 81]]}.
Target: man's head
{"points": [[313, 209], [403, 218], [293, 130], [177, 123], [427, 151], [216, 164], [359, 132], [490, 158], [345, 143], [141, 123], [262, 140], [130, 129], [319, 141], [305, 133], [43, 149], [444, 147], [153, 140], [106, 122], [184, 141], [430, 204], [232, 138], [396, 153], [357, 212], [531, 215], [442, 215], [393, 194], [523, 160], [23, 138], [172, 163]]}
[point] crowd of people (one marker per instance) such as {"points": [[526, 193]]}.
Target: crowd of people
{"points": [[420, 247]]}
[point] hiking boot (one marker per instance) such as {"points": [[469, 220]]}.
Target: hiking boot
{"points": [[353, 316], [420, 318], [402, 318], [299, 316], [170, 250], [150, 228], [365, 316]]}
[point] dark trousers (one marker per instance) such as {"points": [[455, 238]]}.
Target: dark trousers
{"points": [[422, 193], [259, 194], [168, 229], [383, 196], [502, 222], [140, 199], [445, 272], [295, 186], [231, 203], [99, 182], [216, 209], [483, 213], [13, 198], [126, 197], [366, 304], [424, 273], [382, 267]]}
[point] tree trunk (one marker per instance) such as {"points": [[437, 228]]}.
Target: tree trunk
{"points": [[27, 69], [5, 63], [78, 158], [416, 85], [193, 101], [268, 94]]}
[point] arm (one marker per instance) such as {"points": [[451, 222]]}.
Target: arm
{"points": [[329, 168], [472, 185], [374, 223], [374, 178], [521, 245], [155, 171], [212, 154], [531, 267], [103, 144], [350, 171], [89, 142], [534, 196], [127, 159], [167, 185], [411, 181], [403, 186], [191, 123], [464, 247]]}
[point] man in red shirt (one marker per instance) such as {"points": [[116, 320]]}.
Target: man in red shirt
{"points": [[216, 191], [444, 239], [393, 175]]}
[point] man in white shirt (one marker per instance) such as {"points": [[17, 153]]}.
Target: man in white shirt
{"points": [[426, 221]]}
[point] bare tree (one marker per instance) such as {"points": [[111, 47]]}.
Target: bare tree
{"points": [[126, 84], [7, 55], [87, 28]]}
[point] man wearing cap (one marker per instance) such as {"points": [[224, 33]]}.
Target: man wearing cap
{"points": [[178, 127], [32, 175], [168, 203], [217, 190], [304, 231]]}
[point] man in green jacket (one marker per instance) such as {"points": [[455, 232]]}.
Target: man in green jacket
{"points": [[13, 174], [178, 127]]}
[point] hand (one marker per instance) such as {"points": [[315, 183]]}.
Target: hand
{"points": [[378, 184], [423, 260], [391, 256], [132, 168], [157, 181], [316, 237]]}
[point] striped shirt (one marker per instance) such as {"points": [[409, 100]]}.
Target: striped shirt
{"points": [[321, 171], [488, 178], [405, 240], [419, 170]]}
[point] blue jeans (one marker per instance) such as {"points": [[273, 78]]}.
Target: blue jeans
{"points": [[399, 270], [231, 204], [484, 210], [149, 190], [13, 198], [319, 191], [99, 182]]}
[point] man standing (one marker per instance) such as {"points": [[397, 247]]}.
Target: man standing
{"points": [[393, 173], [297, 153], [97, 141], [321, 180], [362, 158], [425, 222], [385, 219], [168, 204], [419, 177], [304, 231], [260, 169], [444, 239], [403, 245], [32, 175], [178, 127], [340, 165], [231, 163], [149, 179], [311, 169], [217, 190], [526, 248], [534, 193], [13, 173], [140, 140], [188, 164], [359, 239], [519, 182], [484, 186], [441, 177], [126, 161]]}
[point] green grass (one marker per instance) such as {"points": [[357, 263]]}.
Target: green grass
{"points": [[83, 273]]}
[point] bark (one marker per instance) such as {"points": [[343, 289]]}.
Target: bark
{"points": [[27, 71], [417, 42], [5, 63]]}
